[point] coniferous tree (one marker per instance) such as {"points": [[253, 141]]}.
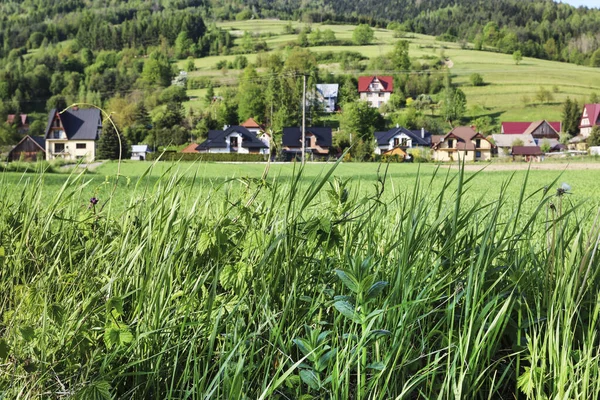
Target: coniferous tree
{"points": [[110, 142]]}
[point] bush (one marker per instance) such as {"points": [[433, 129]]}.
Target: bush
{"points": [[209, 157], [477, 80]]}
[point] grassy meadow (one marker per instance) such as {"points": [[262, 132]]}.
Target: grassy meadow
{"points": [[501, 97], [195, 281]]}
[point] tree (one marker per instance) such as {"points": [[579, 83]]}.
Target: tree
{"points": [[250, 96], [594, 138], [595, 60], [454, 104], [111, 144], [570, 117], [399, 56], [517, 143], [360, 120], [363, 34], [543, 95], [157, 70], [210, 95], [545, 146], [517, 57]]}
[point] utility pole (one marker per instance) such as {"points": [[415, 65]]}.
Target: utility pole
{"points": [[303, 117]]}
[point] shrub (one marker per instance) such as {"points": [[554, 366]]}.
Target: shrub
{"points": [[477, 80], [215, 157]]}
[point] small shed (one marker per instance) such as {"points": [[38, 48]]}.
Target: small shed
{"points": [[528, 153], [139, 152], [30, 148]]}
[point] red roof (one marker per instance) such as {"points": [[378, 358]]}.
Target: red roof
{"points": [[192, 148], [527, 151], [593, 112], [251, 123], [11, 119], [518, 128], [386, 81]]}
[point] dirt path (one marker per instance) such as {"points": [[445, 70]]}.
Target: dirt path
{"points": [[534, 167]]}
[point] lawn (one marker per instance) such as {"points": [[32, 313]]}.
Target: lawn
{"points": [[195, 280]]}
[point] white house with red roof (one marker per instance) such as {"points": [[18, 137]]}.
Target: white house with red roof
{"points": [[589, 119], [258, 129], [376, 90]]}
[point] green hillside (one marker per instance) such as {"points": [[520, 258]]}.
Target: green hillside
{"points": [[502, 96]]}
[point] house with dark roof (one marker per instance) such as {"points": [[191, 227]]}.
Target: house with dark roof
{"points": [[539, 129], [72, 134], [233, 139], [327, 95], [589, 118], [462, 143], [30, 148], [403, 138], [318, 141], [376, 90], [21, 121]]}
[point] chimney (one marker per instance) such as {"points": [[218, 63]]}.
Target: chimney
{"points": [[75, 108], [422, 133], [397, 126], [225, 127]]}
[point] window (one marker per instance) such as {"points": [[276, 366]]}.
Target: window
{"points": [[478, 143], [404, 142], [396, 142], [307, 143], [450, 143], [59, 147], [233, 141], [57, 122], [477, 154], [80, 146], [56, 134], [380, 94]]}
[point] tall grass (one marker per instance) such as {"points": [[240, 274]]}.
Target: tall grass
{"points": [[282, 288]]}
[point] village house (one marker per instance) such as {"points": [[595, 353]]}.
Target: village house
{"points": [[376, 90], [232, 139], [589, 118], [72, 134], [318, 141], [505, 143], [139, 152], [21, 121], [327, 95], [258, 129], [401, 138], [527, 153], [30, 148], [462, 143]]}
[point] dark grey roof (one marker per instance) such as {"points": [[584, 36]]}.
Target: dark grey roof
{"points": [[40, 141], [79, 124], [292, 136], [383, 138], [216, 139]]}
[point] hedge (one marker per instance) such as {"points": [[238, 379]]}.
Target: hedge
{"points": [[175, 156]]}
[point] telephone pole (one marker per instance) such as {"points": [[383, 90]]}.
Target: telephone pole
{"points": [[303, 117]]}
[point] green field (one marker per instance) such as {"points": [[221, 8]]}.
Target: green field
{"points": [[199, 280], [506, 83]]}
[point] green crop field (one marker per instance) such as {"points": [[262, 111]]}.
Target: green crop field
{"points": [[200, 280], [501, 97]]}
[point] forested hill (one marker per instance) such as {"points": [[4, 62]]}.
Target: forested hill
{"points": [[538, 28]]}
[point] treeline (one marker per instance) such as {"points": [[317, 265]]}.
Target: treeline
{"points": [[31, 24], [536, 28]]}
